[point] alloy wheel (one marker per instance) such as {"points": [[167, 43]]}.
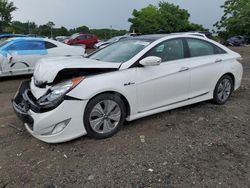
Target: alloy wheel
{"points": [[105, 116], [224, 90]]}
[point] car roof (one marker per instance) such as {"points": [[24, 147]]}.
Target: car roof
{"points": [[191, 33], [25, 38], [150, 38], [22, 39], [155, 37], [11, 35]]}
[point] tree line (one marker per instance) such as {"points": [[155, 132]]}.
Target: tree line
{"points": [[163, 18], [49, 30]]}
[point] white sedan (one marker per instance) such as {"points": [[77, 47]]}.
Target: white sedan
{"points": [[20, 55], [127, 80]]}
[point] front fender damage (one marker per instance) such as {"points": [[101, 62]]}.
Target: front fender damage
{"points": [[70, 73]]}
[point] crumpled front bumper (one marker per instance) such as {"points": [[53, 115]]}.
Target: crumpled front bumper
{"points": [[21, 105], [40, 122]]}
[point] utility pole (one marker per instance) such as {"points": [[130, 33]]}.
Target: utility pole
{"points": [[110, 31], [51, 33], [29, 26]]}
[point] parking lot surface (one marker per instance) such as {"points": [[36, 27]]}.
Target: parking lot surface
{"points": [[202, 145]]}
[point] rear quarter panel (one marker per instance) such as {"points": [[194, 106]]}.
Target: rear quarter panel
{"points": [[233, 66]]}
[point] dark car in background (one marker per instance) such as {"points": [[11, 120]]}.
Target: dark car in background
{"points": [[89, 40], [4, 37], [237, 41]]}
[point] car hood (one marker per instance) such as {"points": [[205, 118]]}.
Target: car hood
{"points": [[47, 69]]}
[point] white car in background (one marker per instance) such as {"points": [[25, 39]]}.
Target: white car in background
{"points": [[19, 56], [103, 44], [138, 77]]}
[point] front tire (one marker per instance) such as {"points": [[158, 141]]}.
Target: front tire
{"points": [[223, 90], [104, 116]]}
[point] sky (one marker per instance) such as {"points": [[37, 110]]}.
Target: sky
{"points": [[98, 14]]}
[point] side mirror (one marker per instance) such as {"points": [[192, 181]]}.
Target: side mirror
{"points": [[151, 61]]}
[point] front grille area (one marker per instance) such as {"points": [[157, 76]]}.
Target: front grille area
{"points": [[23, 115], [31, 126], [21, 105]]}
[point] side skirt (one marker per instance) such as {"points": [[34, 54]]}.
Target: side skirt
{"points": [[200, 98]]}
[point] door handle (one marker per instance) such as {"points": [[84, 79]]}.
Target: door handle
{"points": [[184, 69], [218, 60]]}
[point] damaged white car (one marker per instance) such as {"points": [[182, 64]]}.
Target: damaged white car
{"points": [[127, 80], [19, 56]]}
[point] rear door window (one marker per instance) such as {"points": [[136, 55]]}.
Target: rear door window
{"points": [[82, 37], [169, 50], [89, 36], [200, 48], [27, 45]]}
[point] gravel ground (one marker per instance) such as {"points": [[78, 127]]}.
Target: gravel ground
{"points": [[202, 145]]}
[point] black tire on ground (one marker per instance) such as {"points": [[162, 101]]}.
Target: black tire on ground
{"points": [[98, 100], [218, 91]]}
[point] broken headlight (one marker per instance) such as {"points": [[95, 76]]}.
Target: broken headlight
{"points": [[55, 93]]}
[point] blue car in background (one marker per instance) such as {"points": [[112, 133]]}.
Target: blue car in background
{"points": [[20, 55], [4, 37], [237, 41]]}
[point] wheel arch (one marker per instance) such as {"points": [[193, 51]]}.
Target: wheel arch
{"points": [[124, 99], [231, 75]]}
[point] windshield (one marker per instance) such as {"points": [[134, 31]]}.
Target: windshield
{"points": [[120, 52]]}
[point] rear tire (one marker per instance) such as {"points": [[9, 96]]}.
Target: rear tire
{"points": [[223, 90], [104, 116]]}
